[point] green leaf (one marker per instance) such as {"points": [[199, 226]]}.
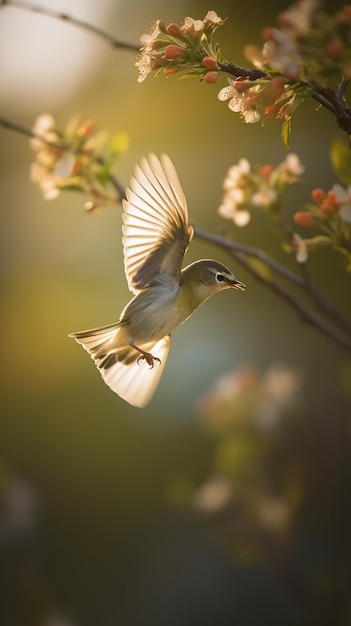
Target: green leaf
{"points": [[285, 134], [340, 156], [72, 187]]}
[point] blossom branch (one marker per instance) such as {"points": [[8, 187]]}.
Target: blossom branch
{"points": [[202, 60], [70, 160], [241, 72]]}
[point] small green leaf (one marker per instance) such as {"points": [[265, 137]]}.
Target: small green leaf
{"points": [[340, 156], [285, 134], [72, 187]]}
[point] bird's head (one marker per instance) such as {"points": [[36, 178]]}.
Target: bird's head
{"points": [[206, 277]]}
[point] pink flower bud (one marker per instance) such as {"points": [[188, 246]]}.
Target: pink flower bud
{"points": [[169, 70], [331, 197], [209, 63], [86, 128], [173, 29], [328, 209], [318, 195], [211, 77], [173, 52], [330, 204], [266, 170], [272, 110], [303, 219]]}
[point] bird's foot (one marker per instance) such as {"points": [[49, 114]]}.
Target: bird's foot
{"points": [[149, 358]]}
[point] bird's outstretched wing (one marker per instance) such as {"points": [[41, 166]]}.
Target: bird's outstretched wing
{"points": [[156, 232]]}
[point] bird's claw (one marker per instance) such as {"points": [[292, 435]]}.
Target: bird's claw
{"points": [[149, 358]]}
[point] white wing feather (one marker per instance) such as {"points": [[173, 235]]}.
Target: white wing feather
{"points": [[156, 232]]}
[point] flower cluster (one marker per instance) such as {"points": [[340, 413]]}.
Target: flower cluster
{"points": [[244, 98], [73, 160], [330, 213], [245, 189], [306, 37], [298, 57], [307, 48], [185, 47]]}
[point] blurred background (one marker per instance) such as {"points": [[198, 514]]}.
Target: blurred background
{"points": [[196, 510]]}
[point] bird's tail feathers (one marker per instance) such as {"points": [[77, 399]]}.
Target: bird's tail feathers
{"points": [[121, 366], [96, 339]]}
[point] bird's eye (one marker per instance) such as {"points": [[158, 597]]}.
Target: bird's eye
{"points": [[219, 278]]}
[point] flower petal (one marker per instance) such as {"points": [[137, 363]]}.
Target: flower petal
{"points": [[226, 93]]}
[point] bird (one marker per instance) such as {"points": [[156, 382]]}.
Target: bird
{"points": [[131, 353]]}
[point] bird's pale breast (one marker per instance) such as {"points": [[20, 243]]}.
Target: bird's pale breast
{"points": [[154, 313]]}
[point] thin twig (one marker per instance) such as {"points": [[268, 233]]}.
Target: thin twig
{"points": [[74, 21], [114, 181], [256, 253], [23, 130]]}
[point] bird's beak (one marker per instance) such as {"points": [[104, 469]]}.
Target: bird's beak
{"points": [[236, 284]]}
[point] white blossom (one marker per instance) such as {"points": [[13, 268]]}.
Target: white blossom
{"points": [[343, 197]]}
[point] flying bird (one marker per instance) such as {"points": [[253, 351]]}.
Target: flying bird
{"points": [[131, 353]]}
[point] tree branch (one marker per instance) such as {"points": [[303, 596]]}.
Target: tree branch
{"points": [[240, 254], [333, 102], [74, 21], [242, 72]]}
